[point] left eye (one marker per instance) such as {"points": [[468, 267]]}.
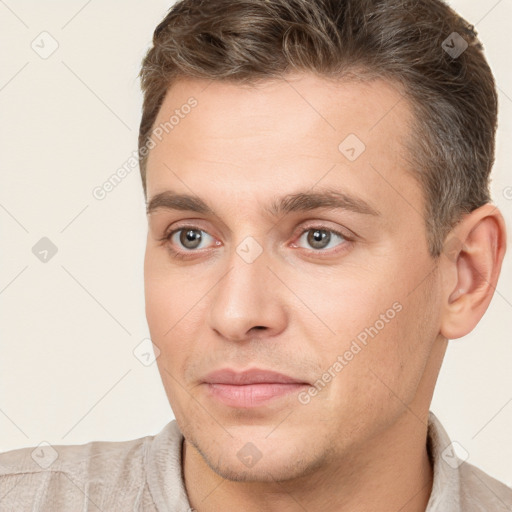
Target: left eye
{"points": [[319, 238], [189, 237]]}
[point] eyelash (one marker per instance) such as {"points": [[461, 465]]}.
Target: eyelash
{"points": [[185, 255]]}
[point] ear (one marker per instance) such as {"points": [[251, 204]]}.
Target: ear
{"points": [[472, 258]]}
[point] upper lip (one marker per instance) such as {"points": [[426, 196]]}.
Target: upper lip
{"points": [[251, 376]]}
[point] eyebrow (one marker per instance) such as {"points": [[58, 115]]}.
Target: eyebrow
{"points": [[296, 202]]}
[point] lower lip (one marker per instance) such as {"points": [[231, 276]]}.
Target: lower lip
{"points": [[251, 395]]}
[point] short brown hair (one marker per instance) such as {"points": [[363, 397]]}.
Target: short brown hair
{"points": [[453, 97]]}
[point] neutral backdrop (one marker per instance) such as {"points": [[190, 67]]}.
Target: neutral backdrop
{"points": [[71, 325]]}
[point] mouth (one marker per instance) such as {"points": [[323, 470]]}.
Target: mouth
{"points": [[251, 388]]}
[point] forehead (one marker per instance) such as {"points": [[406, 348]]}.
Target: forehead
{"points": [[242, 141]]}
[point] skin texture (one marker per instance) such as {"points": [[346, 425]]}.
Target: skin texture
{"points": [[359, 443]]}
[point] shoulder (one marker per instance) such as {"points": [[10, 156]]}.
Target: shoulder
{"points": [[481, 492], [64, 477]]}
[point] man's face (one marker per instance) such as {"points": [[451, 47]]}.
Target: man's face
{"points": [[354, 313]]}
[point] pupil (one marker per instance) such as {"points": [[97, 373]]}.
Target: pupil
{"points": [[192, 235], [317, 237]]}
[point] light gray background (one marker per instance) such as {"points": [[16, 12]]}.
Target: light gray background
{"points": [[69, 326]]}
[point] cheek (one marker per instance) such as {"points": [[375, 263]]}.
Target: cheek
{"points": [[171, 314], [164, 309], [394, 360], [158, 305], [381, 340], [356, 328], [377, 379], [160, 289], [339, 306]]}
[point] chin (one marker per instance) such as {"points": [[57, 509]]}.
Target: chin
{"points": [[260, 461], [264, 472]]}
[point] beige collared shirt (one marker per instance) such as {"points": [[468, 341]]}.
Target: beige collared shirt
{"points": [[145, 475]]}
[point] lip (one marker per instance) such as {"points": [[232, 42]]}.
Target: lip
{"points": [[251, 376], [250, 388]]}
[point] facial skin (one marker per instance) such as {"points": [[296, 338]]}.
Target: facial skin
{"points": [[359, 444]]}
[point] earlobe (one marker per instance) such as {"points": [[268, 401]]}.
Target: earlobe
{"points": [[473, 256]]}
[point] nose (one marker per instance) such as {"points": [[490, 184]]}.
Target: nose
{"points": [[248, 301]]}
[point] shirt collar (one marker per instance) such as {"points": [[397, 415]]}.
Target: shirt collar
{"points": [[445, 493], [164, 470]]}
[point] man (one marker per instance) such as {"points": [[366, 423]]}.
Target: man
{"points": [[319, 226]]}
